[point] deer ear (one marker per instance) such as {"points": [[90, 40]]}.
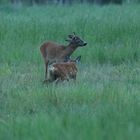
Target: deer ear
{"points": [[70, 36], [74, 33], [78, 59]]}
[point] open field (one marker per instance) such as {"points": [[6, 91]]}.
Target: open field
{"points": [[104, 103]]}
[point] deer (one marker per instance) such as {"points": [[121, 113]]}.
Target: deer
{"points": [[53, 52], [63, 71]]}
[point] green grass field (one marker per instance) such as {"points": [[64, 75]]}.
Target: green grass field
{"points": [[103, 104]]}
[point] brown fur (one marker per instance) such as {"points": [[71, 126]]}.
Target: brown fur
{"points": [[62, 71], [53, 52]]}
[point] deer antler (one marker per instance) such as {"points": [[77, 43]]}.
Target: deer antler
{"points": [[72, 35]]}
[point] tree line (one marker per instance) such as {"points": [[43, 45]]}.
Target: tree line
{"points": [[39, 2]]}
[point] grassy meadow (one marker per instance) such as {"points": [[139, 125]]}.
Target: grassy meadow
{"points": [[103, 104]]}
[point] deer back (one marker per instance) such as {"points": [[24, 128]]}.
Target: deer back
{"points": [[64, 71], [54, 52]]}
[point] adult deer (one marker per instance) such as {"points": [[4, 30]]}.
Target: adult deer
{"points": [[63, 71], [53, 52]]}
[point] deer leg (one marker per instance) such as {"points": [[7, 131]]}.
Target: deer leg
{"points": [[74, 77], [46, 71], [57, 80], [46, 81]]}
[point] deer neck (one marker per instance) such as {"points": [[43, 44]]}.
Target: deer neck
{"points": [[69, 49]]}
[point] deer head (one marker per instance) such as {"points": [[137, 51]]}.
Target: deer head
{"points": [[75, 40]]}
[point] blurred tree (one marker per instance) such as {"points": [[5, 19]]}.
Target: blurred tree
{"points": [[90, 1], [63, 1], [100, 2], [15, 1], [32, 2], [117, 1]]}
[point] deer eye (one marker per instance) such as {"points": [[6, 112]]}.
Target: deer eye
{"points": [[74, 38]]}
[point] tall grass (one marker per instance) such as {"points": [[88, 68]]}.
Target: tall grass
{"points": [[112, 32], [104, 103]]}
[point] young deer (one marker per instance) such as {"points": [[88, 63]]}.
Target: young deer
{"points": [[53, 52], [63, 70]]}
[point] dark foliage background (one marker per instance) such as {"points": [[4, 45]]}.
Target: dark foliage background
{"points": [[40, 2]]}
